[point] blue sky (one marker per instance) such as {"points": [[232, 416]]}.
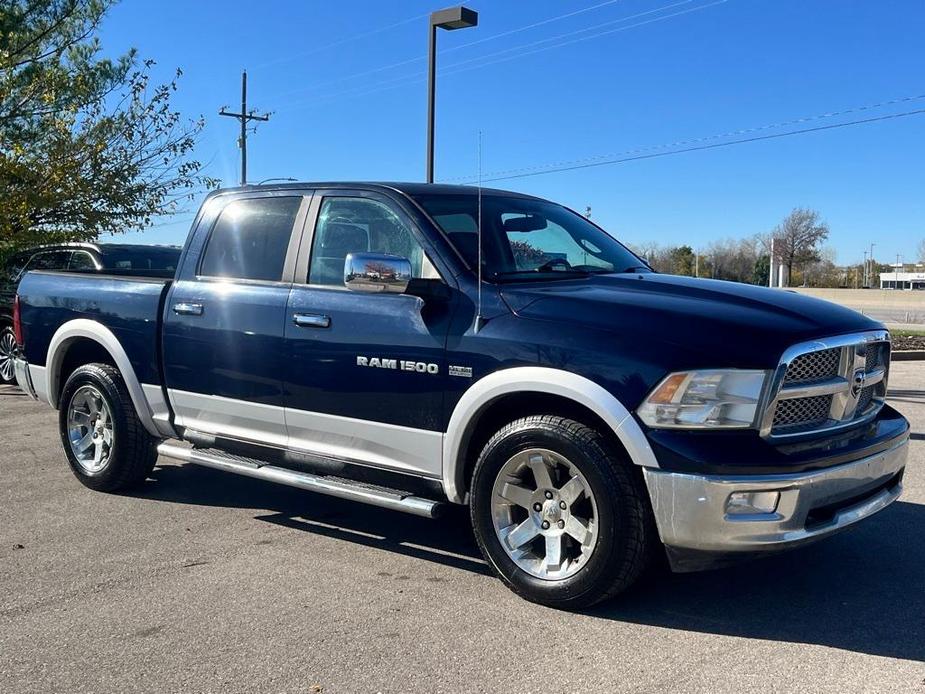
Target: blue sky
{"points": [[345, 83]]}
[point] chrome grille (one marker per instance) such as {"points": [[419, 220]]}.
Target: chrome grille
{"points": [[828, 384], [803, 411], [814, 366]]}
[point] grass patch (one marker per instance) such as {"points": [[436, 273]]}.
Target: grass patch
{"points": [[907, 333]]}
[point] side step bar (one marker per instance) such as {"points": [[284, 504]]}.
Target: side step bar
{"points": [[332, 486]]}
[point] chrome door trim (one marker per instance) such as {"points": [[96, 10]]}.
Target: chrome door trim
{"points": [[311, 320], [187, 309]]}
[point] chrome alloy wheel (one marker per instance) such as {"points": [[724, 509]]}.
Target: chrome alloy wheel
{"points": [[89, 429], [7, 352], [544, 514]]}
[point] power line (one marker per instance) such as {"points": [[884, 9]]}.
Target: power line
{"points": [[698, 148], [416, 78], [340, 42], [383, 68], [707, 138]]}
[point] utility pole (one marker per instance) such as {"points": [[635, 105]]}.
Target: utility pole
{"points": [[864, 280], [896, 281], [870, 260], [245, 117]]}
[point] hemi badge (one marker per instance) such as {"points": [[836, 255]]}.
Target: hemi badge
{"points": [[463, 371]]}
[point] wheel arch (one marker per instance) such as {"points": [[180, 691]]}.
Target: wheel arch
{"points": [[90, 336], [490, 395]]}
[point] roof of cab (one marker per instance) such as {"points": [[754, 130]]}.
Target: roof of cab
{"points": [[410, 189]]}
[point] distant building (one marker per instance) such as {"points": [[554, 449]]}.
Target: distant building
{"points": [[902, 280]]}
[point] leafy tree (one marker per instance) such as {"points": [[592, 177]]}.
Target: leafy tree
{"points": [[762, 271], [88, 145], [797, 238], [682, 260]]}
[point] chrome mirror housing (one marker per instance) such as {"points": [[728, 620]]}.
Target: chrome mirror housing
{"points": [[377, 272]]}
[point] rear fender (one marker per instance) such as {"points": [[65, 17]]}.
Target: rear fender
{"points": [[148, 399]]}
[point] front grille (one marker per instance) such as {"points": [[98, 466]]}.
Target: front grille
{"points": [[803, 411], [867, 394], [828, 384], [814, 366]]}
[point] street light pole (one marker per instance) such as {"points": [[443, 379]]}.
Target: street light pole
{"points": [[450, 19]]}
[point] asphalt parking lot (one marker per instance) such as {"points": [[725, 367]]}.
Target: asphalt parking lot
{"points": [[208, 582]]}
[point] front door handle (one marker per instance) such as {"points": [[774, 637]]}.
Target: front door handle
{"points": [[185, 309], [311, 320]]}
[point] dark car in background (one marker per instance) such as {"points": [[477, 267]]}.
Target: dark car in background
{"points": [[101, 258]]}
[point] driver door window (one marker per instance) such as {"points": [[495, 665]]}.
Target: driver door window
{"points": [[359, 225]]}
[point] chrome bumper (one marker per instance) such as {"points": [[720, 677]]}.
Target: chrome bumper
{"points": [[699, 532], [23, 377]]}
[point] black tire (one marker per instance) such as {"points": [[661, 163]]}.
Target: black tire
{"points": [[626, 530], [133, 452], [7, 339]]}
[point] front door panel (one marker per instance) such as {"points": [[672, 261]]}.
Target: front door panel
{"points": [[368, 387], [367, 371]]}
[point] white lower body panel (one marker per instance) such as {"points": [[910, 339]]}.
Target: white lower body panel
{"points": [[386, 446]]}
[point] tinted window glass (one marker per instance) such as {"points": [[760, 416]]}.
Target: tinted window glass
{"points": [[525, 237], [354, 225], [140, 258], [81, 260], [250, 238], [50, 260]]}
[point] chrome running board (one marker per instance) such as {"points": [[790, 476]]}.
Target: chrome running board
{"points": [[332, 486]]}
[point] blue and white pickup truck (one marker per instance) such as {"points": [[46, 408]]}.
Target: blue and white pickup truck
{"points": [[413, 346]]}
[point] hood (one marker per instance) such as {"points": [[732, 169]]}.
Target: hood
{"points": [[749, 326]]}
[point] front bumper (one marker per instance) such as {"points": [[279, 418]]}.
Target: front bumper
{"points": [[23, 377], [698, 531]]}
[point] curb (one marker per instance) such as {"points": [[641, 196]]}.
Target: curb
{"points": [[908, 355]]}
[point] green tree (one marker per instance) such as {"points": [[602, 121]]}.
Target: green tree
{"points": [[682, 260], [88, 145]]}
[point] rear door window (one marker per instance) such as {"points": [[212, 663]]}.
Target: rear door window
{"points": [[82, 261], [250, 239], [49, 260]]}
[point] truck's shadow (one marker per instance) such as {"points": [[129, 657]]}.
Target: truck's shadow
{"points": [[862, 591]]}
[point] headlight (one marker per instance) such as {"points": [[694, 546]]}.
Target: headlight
{"points": [[714, 399]]}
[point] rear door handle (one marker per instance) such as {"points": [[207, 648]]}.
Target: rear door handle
{"points": [[311, 320], [185, 309]]}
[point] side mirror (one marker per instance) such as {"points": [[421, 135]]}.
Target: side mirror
{"points": [[377, 272]]}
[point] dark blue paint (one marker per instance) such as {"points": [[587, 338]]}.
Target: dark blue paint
{"points": [[130, 308], [624, 332], [235, 349]]}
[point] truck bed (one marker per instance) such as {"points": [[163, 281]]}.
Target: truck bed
{"points": [[131, 307]]}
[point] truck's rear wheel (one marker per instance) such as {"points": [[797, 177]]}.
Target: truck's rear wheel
{"points": [[558, 513], [106, 445]]}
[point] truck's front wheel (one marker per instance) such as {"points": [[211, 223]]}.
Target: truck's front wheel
{"points": [[106, 445], [558, 513]]}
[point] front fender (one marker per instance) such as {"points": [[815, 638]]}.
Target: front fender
{"points": [[533, 379]]}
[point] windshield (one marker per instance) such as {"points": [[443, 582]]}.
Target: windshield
{"points": [[524, 238]]}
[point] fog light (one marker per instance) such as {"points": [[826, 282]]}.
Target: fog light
{"points": [[742, 503]]}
